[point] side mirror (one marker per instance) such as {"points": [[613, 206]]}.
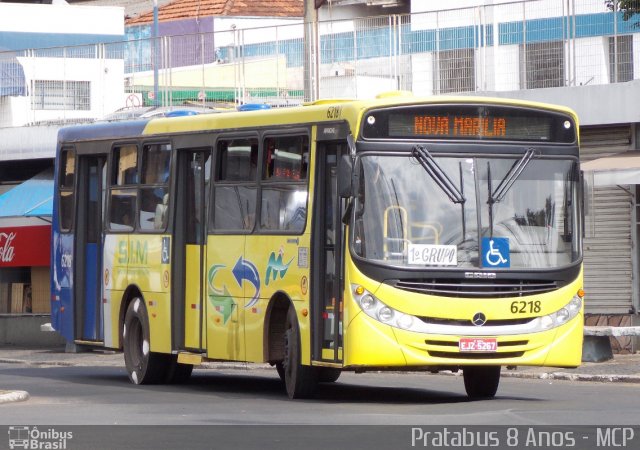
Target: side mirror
{"points": [[345, 174]]}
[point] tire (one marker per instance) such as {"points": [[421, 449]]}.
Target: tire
{"points": [[178, 373], [481, 381], [300, 381], [328, 374], [143, 365]]}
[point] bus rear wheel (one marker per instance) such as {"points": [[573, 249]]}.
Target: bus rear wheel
{"points": [[300, 380], [143, 365], [481, 381]]}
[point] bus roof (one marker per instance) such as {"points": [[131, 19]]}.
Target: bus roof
{"points": [[326, 110]]}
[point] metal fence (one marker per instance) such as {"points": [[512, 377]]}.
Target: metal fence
{"points": [[502, 47]]}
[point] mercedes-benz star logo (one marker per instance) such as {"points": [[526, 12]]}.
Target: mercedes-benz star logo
{"points": [[479, 319]]}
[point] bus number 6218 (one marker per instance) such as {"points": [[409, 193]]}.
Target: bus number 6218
{"points": [[525, 307]]}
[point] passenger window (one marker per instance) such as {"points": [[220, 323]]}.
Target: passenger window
{"points": [[287, 158], [284, 190], [123, 207], [235, 190], [125, 165], [154, 205], [67, 168], [156, 163], [237, 160], [66, 182], [124, 188]]}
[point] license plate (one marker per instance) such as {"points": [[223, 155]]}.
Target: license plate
{"points": [[486, 345]]}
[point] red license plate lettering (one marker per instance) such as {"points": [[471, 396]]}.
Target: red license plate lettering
{"points": [[486, 345]]}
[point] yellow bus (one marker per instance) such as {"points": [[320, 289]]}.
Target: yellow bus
{"points": [[398, 233]]}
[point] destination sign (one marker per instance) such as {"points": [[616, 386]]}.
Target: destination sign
{"points": [[475, 122], [460, 126]]}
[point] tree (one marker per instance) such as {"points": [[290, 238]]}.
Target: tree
{"points": [[629, 8]]}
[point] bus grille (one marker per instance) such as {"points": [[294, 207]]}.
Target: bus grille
{"points": [[452, 355], [476, 288], [468, 323], [455, 343]]}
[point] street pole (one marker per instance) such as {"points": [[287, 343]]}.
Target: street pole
{"points": [[155, 52]]}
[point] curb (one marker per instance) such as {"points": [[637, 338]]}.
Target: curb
{"points": [[36, 363], [13, 396], [564, 376]]}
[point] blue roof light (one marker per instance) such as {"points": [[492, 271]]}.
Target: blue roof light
{"points": [[180, 113], [253, 107]]}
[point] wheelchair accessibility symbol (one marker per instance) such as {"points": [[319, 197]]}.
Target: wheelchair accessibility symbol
{"points": [[495, 252]]}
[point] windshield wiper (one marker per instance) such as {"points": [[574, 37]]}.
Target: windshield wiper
{"points": [[422, 155], [510, 177], [506, 183]]}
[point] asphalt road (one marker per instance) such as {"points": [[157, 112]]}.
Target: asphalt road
{"points": [[68, 396]]}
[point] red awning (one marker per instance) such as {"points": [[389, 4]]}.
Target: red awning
{"points": [[25, 246]]}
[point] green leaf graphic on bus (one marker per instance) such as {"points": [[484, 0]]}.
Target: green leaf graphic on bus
{"points": [[275, 267], [220, 298]]}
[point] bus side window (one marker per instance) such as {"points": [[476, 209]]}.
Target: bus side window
{"points": [[123, 205], [154, 192], [67, 187], [124, 188], [235, 188], [284, 190]]}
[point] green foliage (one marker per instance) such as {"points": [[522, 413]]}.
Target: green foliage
{"points": [[629, 8]]}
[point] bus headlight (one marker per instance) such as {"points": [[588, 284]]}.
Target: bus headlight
{"points": [[374, 308], [563, 315], [405, 322], [385, 314], [368, 302]]}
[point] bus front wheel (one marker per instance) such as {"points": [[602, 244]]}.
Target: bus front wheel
{"points": [[481, 381], [143, 365], [300, 380]]}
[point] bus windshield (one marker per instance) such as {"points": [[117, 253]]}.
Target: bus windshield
{"points": [[468, 212]]}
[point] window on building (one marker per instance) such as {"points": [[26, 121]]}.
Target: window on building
{"points": [[284, 187], [456, 71], [620, 58], [542, 65], [61, 95], [235, 187]]}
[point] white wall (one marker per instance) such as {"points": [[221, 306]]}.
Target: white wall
{"points": [[37, 18], [361, 87], [262, 29], [105, 75]]}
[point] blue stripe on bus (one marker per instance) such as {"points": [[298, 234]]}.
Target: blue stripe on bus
{"points": [[62, 308], [91, 328]]}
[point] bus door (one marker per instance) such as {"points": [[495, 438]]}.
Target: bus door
{"points": [[328, 245], [189, 235], [88, 259]]}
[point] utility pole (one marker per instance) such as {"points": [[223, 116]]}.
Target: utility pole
{"points": [[156, 38], [311, 49]]}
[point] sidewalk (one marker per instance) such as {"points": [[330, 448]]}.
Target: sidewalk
{"points": [[620, 369]]}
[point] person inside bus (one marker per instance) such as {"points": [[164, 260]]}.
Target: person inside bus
{"points": [[160, 217]]}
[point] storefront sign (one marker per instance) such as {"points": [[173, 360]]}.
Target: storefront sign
{"points": [[25, 246]]}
